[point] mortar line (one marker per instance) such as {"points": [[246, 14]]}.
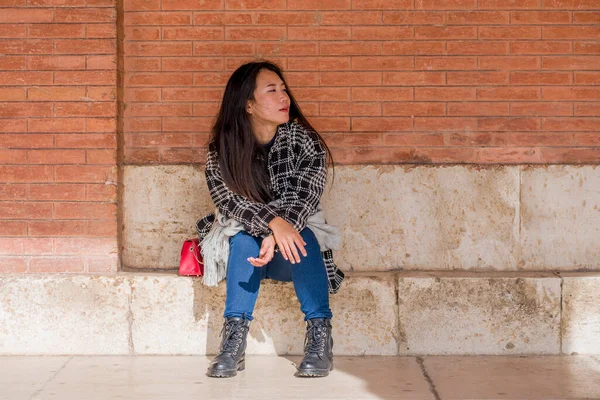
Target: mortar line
{"points": [[560, 324], [432, 387], [396, 294], [37, 392]]}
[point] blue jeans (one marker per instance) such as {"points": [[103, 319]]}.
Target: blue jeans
{"points": [[243, 279]]}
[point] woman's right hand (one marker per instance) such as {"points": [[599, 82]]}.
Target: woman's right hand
{"points": [[288, 240]]}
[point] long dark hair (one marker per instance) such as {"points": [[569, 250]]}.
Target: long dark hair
{"points": [[241, 156]]}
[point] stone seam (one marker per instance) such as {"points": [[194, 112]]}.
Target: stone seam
{"points": [[40, 390], [560, 322], [130, 317], [432, 387]]}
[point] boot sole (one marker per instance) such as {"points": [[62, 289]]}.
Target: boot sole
{"points": [[314, 373], [228, 373]]}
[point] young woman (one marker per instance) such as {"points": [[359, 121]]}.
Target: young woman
{"points": [[266, 170]]}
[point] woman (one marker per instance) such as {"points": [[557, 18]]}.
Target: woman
{"points": [[266, 170]]}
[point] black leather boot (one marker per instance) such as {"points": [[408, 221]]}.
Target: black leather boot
{"points": [[318, 349], [232, 356]]}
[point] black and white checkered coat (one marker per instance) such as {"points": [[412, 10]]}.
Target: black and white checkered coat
{"points": [[297, 167]]}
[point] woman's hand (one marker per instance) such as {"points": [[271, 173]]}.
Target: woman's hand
{"points": [[288, 239], [267, 250]]}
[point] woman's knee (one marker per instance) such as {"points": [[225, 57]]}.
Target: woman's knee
{"points": [[243, 240], [309, 237]]}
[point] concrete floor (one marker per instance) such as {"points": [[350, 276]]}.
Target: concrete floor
{"points": [[270, 377]]}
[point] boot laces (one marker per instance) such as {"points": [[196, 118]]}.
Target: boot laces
{"points": [[234, 336], [316, 339]]}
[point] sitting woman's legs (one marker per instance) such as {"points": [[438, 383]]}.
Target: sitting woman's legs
{"points": [[309, 277], [243, 279]]}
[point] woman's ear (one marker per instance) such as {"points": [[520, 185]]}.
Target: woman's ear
{"points": [[248, 107]]}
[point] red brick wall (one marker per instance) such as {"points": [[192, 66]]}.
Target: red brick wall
{"points": [[387, 81], [57, 136]]}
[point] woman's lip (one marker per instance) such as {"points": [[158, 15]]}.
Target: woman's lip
{"points": [[284, 109]]}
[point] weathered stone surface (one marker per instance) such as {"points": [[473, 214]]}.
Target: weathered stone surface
{"points": [[425, 217], [60, 314], [560, 217], [161, 205], [174, 315], [581, 314], [478, 315]]}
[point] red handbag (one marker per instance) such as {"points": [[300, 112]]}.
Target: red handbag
{"points": [[191, 263]]}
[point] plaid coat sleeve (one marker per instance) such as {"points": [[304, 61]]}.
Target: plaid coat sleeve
{"points": [[253, 215], [306, 185]]}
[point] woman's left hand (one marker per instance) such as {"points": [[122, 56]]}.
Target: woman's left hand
{"points": [[267, 250]]}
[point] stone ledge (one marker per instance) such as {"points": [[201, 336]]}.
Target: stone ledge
{"points": [[403, 312]]}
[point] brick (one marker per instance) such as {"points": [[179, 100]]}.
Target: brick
{"points": [[25, 109], [508, 124], [56, 3], [159, 140], [414, 78], [21, 16], [85, 173], [280, 49], [25, 78], [512, 32], [350, 17], [133, 94], [349, 48], [319, 5], [56, 264], [101, 62], [102, 228], [541, 78], [101, 31], [509, 155], [255, 4], [14, 265], [478, 78], [13, 94], [57, 228], [13, 157], [197, 33], [350, 78], [191, 5], [571, 63], [86, 109], [192, 94], [220, 79], [586, 139], [446, 4], [56, 93], [482, 48], [58, 125], [160, 49], [26, 210], [142, 5], [158, 18], [13, 63], [192, 64], [571, 155], [11, 31], [319, 33], [408, 47], [507, 4], [479, 108], [61, 191], [142, 33], [141, 156], [85, 15], [194, 124], [540, 17], [319, 63], [44, 31], [353, 140], [142, 124], [160, 79], [381, 33], [101, 125], [570, 124], [445, 63], [152, 64], [540, 139], [80, 210], [13, 191], [322, 94], [19, 174], [13, 125], [51, 63], [586, 17], [542, 47], [385, 63], [101, 157], [261, 18], [413, 17], [446, 32], [477, 17], [102, 265], [29, 46], [149, 110], [211, 109], [571, 4], [586, 109], [80, 141], [85, 77], [106, 192], [571, 32], [25, 140], [586, 48], [414, 139], [413, 108], [541, 109], [85, 46], [508, 93], [85, 246], [350, 109], [509, 63], [445, 124], [571, 93], [331, 124], [381, 124], [12, 228], [186, 156], [25, 246], [445, 93], [56, 156], [382, 94]]}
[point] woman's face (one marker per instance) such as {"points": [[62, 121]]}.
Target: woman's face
{"points": [[271, 104]]}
